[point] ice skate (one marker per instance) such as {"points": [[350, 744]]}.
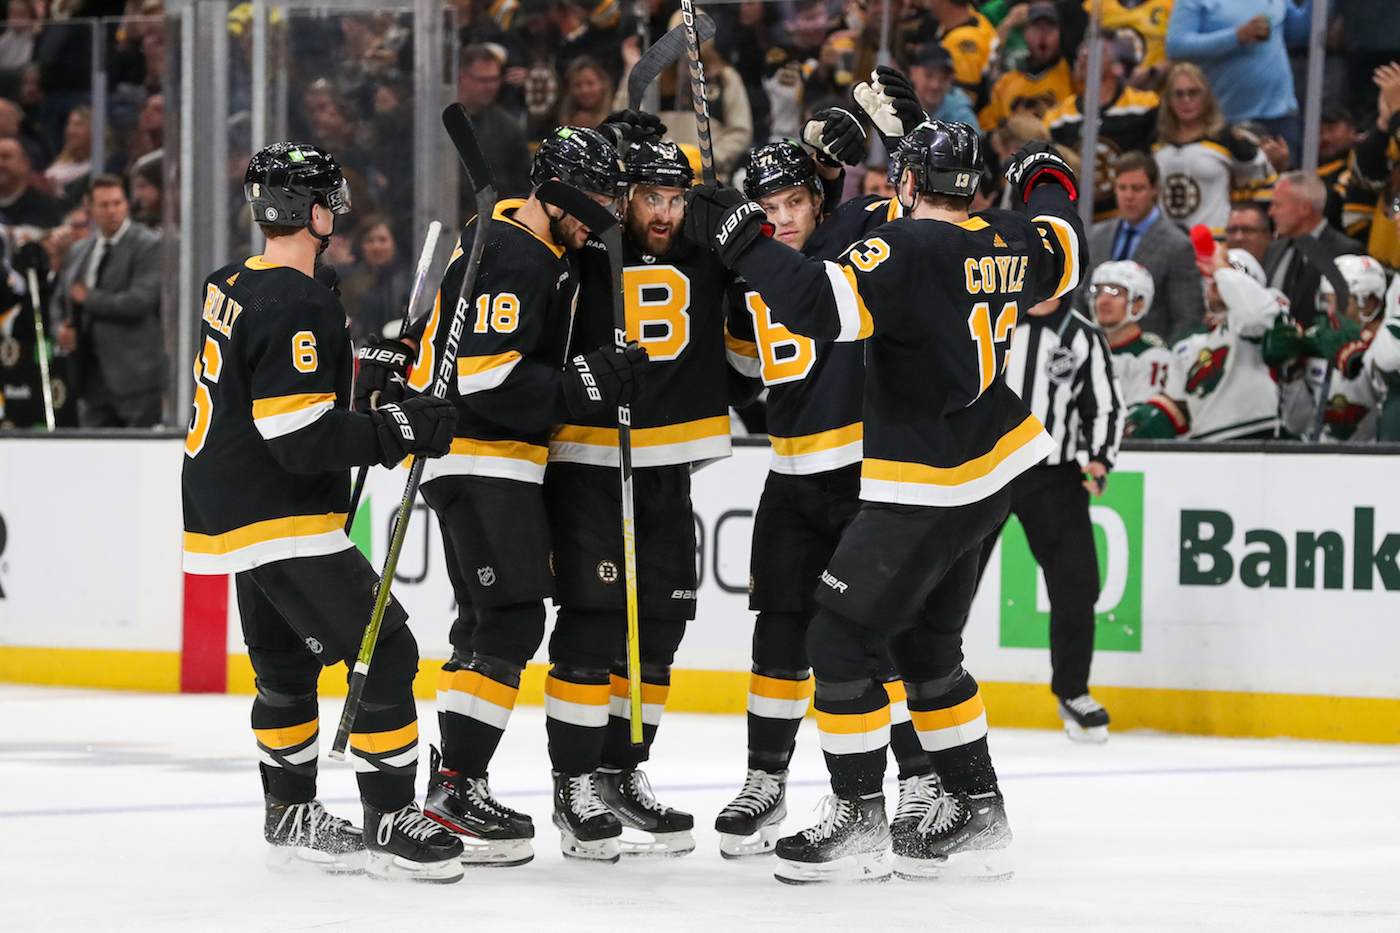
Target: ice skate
{"points": [[850, 844], [1085, 719], [627, 793], [404, 845], [304, 837], [749, 825], [492, 834], [588, 830], [940, 835]]}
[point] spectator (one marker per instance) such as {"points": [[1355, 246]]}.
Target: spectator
{"points": [[149, 134], [971, 40], [108, 300], [1204, 164], [67, 173], [731, 121], [1250, 229], [1370, 39], [1337, 137], [15, 124], [17, 43], [1043, 78], [588, 94], [21, 205], [1143, 234], [1011, 134], [1373, 178], [1241, 47], [932, 76], [876, 181], [849, 55], [1144, 24], [1293, 263], [376, 291], [502, 139], [147, 182]]}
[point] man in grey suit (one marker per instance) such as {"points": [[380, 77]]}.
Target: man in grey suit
{"points": [[108, 300], [1305, 245], [1142, 233]]}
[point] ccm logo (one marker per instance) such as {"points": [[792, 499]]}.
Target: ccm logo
{"points": [[735, 218], [586, 377], [832, 582]]}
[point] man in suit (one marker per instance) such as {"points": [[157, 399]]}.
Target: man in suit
{"points": [[1305, 244], [1142, 233], [108, 300]]}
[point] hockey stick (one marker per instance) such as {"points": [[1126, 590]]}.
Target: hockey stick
{"points": [[662, 55], [41, 346], [459, 128], [697, 91], [425, 259]]}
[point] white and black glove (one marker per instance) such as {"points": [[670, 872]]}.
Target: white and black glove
{"points": [[423, 426], [1039, 163], [892, 104], [718, 217], [837, 136], [604, 379], [625, 127], [383, 373]]}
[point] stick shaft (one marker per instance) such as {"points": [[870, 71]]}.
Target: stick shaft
{"points": [[629, 569], [41, 347], [697, 92]]}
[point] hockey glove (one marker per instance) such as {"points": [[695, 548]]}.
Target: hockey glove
{"points": [[837, 136], [1039, 163], [1157, 418], [422, 425], [722, 219], [1283, 342], [383, 368], [1337, 343], [625, 127], [890, 101], [604, 379], [327, 276]]}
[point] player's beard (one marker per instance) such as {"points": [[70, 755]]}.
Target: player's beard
{"points": [[563, 233], [647, 241]]}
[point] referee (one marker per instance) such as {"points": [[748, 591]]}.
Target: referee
{"points": [[1061, 367]]}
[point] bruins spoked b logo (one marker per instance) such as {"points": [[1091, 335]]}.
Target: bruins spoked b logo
{"points": [[607, 571]]}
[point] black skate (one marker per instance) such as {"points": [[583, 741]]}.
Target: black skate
{"points": [[941, 835], [492, 834], [749, 824], [627, 793], [1085, 719], [588, 830], [404, 845], [851, 843], [304, 837]]}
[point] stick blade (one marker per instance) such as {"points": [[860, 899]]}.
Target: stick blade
{"points": [[580, 206], [463, 135], [664, 53]]}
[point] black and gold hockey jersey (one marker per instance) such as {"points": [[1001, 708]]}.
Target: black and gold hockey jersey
{"points": [[936, 304], [816, 387], [1016, 90], [272, 438], [508, 390], [972, 45], [677, 311], [1143, 24]]}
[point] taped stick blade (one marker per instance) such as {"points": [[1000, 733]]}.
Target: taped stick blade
{"points": [[664, 53], [463, 135], [578, 205]]}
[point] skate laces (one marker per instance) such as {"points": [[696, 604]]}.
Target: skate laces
{"points": [[480, 792], [304, 822], [1084, 704], [917, 795], [942, 816], [761, 789], [641, 789], [584, 799], [835, 811], [410, 821]]}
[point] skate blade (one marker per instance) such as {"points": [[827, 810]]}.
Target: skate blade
{"points": [[759, 843], [643, 844], [1093, 735], [384, 866], [862, 868], [300, 860], [597, 850], [494, 853], [973, 865]]}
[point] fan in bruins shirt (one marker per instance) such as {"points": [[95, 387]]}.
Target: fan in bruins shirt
{"points": [[266, 488]]}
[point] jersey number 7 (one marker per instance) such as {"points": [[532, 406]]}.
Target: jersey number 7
{"points": [[993, 341]]}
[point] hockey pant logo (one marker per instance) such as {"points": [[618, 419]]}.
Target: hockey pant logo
{"points": [[487, 575], [736, 217], [607, 571], [832, 582], [315, 646], [586, 377]]}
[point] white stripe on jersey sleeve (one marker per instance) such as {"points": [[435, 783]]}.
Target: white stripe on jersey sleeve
{"points": [[273, 426], [847, 304]]}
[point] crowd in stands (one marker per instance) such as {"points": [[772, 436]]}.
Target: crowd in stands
{"points": [[1199, 125]]}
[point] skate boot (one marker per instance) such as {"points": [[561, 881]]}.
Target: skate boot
{"points": [[851, 843], [942, 835], [1085, 719], [750, 824], [304, 837], [404, 845], [588, 830], [627, 793], [492, 834]]}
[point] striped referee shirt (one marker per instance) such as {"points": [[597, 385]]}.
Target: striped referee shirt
{"points": [[1061, 367]]}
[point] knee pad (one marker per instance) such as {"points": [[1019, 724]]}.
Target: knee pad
{"points": [[392, 670], [957, 681], [588, 639], [659, 640], [839, 650], [510, 633], [782, 674], [651, 673], [497, 669], [284, 678], [843, 691]]}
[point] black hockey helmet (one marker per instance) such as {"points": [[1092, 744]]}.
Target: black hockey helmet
{"points": [[784, 164], [656, 163], [581, 158], [284, 180], [945, 158]]}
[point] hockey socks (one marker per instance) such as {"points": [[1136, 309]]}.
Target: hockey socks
{"points": [[855, 731], [952, 727], [384, 750], [287, 749], [909, 754], [576, 705], [474, 706], [777, 702], [618, 750]]}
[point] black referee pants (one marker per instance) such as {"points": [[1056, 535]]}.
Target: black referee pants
{"points": [[1053, 507]]}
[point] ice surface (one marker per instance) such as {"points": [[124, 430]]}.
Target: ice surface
{"points": [[126, 811]]}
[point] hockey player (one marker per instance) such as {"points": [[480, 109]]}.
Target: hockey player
{"points": [[1383, 362], [515, 385], [265, 494], [935, 295], [1219, 387], [812, 493], [1122, 295]]}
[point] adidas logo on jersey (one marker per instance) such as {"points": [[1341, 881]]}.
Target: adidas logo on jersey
{"points": [[998, 241], [832, 582]]}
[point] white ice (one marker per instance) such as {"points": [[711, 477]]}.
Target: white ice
{"points": [[126, 811]]}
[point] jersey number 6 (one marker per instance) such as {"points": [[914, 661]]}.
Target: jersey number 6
{"points": [[206, 372]]}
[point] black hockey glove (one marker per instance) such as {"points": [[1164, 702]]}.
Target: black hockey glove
{"points": [[422, 425], [602, 380], [891, 102], [625, 127], [383, 370], [1039, 163], [719, 218], [327, 276], [837, 136]]}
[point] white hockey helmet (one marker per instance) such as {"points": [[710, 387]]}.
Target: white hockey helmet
{"points": [[1133, 277], [1365, 278], [1244, 261]]}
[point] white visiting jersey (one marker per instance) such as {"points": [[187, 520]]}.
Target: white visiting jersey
{"points": [[1142, 365], [1198, 179]]}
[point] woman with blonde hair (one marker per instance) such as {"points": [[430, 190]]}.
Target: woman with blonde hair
{"points": [[1205, 165], [588, 94]]}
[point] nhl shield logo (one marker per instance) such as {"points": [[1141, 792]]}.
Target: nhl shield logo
{"points": [[487, 575], [607, 571], [1060, 365]]}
